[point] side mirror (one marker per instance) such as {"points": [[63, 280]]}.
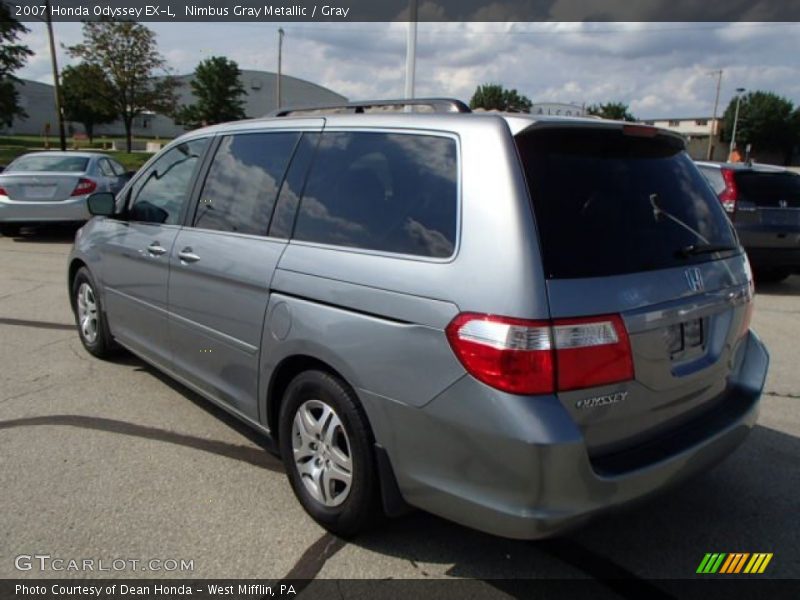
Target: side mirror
{"points": [[101, 204]]}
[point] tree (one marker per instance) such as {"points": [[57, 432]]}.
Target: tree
{"points": [[493, 96], [218, 90], [85, 90], [127, 53], [12, 57], [766, 120], [618, 111]]}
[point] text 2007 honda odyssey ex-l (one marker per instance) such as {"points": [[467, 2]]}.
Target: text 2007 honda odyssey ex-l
{"points": [[511, 322]]}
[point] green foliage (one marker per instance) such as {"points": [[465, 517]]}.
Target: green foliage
{"points": [[617, 111], [766, 120], [493, 96], [136, 72], [218, 90], [85, 90], [13, 56]]}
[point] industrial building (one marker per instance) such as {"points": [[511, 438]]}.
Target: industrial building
{"points": [[37, 100]]}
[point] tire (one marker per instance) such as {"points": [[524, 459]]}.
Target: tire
{"points": [[94, 333], [771, 275], [9, 229], [340, 509]]}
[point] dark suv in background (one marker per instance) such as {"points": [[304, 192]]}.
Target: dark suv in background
{"points": [[764, 204]]}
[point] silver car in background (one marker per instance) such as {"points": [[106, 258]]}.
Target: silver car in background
{"points": [[47, 187], [514, 322]]}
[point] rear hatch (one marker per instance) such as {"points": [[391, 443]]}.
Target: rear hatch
{"points": [[628, 226], [769, 198], [39, 186]]}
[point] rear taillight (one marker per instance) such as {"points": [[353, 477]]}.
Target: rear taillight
{"points": [[748, 308], [3, 191], [512, 355], [85, 186], [746, 319], [591, 351], [730, 194], [540, 357]]}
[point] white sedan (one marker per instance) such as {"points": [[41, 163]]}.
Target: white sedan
{"points": [[52, 187]]}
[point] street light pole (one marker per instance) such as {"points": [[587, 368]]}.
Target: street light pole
{"points": [[735, 119], [714, 125], [411, 48], [56, 84], [281, 33]]}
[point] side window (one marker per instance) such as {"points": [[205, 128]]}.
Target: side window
{"points": [[382, 191], [242, 183], [117, 168], [105, 168], [285, 211], [161, 192]]}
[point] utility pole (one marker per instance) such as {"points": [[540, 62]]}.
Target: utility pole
{"points": [[735, 120], [280, 57], [56, 84], [714, 125], [411, 48]]}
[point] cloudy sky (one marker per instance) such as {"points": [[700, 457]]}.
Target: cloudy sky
{"points": [[659, 69]]}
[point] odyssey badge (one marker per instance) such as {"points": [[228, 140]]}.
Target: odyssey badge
{"points": [[601, 400]]}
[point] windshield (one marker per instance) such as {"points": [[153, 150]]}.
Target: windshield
{"points": [[607, 203], [57, 164]]}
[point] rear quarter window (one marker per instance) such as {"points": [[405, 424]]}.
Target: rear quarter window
{"points": [[714, 177], [388, 192], [607, 203]]}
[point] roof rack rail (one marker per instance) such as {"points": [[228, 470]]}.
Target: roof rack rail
{"points": [[437, 104]]}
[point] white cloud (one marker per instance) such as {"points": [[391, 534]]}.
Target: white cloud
{"points": [[660, 69]]}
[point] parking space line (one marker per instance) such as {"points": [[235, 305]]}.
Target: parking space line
{"points": [[37, 324], [255, 456], [604, 570]]}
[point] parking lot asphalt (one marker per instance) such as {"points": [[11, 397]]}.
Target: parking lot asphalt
{"points": [[110, 459]]}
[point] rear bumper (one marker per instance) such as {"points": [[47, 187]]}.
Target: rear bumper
{"points": [[788, 258], [518, 466], [771, 246], [73, 209]]}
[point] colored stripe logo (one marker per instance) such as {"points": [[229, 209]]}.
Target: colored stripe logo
{"points": [[734, 563]]}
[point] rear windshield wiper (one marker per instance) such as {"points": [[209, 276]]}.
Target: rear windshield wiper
{"points": [[695, 249]]}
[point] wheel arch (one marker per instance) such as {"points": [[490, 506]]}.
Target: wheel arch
{"points": [[74, 266], [286, 370], [392, 500]]}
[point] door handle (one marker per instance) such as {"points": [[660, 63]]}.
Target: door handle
{"points": [[156, 249], [186, 255]]}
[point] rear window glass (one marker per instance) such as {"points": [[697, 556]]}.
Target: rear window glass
{"points": [[382, 191], [59, 164], [768, 189], [608, 203], [715, 179]]}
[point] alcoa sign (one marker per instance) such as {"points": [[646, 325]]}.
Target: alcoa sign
{"points": [[558, 108]]}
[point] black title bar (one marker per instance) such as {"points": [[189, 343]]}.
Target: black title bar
{"points": [[255, 11]]}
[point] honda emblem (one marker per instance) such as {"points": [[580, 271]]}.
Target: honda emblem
{"points": [[783, 204], [695, 280]]}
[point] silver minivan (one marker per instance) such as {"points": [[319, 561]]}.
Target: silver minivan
{"points": [[514, 322]]}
